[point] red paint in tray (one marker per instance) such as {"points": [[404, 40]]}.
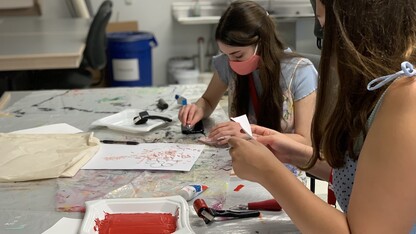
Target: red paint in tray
{"points": [[132, 223]]}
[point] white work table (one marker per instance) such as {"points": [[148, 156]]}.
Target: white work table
{"points": [[28, 43], [31, 207]]}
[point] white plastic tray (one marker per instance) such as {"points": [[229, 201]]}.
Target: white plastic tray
{"points": [[175, 205], [123, 121]]}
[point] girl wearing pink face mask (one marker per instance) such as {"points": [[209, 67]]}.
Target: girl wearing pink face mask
{"points": [[273, 87]]}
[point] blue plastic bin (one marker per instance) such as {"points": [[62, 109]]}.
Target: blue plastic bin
{"points": [[130, 58]]}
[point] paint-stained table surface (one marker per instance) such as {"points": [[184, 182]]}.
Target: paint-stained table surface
{"points": [[33, 207]]}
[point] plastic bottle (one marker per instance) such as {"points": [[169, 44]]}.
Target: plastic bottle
{"points": [[189, 192]]}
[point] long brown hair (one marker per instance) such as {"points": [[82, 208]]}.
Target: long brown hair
{"points": [[364, 40], [246, 23]]}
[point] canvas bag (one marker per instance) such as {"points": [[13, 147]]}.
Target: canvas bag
{"points": [[26, 157]]}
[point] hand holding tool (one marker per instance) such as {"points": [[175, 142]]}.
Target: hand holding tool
{"points": [[197, 128], [209, 214]]}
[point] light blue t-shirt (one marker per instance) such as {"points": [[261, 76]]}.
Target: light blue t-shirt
{"points": [[299, 79]]}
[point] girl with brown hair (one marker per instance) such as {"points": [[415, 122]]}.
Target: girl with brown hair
{"points": [[363, 129], [274, 87]]}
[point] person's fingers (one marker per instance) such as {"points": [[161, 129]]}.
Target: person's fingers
{"points": [[232, 152], [223, 134], [217, 128], [225, 129], [259, 130], [266, 140], [236, 141], [181, 115], [256, 129], [233, 142], [223, 140], [190, 120], [223, 124], [185, 114], [215, 131]]}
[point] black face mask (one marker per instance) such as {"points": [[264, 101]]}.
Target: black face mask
{"points": [[318, 30]]}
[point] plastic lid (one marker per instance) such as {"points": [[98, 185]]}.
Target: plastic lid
{"points": [[130, 36]]}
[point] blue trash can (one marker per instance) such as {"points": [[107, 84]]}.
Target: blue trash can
{"points": [[130, 58]]}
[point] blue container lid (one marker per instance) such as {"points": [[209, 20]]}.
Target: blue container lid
{"points": [[130, 36]]}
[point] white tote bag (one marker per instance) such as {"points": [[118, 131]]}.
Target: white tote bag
{"points": [[26, 157]]}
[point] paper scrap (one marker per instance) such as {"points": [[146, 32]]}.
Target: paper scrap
{"points": [[65, 226], [245, 125], [50, 129]]}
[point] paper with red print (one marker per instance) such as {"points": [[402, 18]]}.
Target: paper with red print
{"points": [[146, 156]]}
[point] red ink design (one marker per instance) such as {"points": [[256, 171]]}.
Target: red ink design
{"points": [[238, 188]]}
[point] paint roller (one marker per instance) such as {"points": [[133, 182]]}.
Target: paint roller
{"points": [[209, 214]]}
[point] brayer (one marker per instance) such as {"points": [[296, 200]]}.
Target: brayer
{"points": [[269, 205], [209, 214]]}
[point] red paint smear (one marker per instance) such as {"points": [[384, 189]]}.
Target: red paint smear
{"points": [[239, 187], [132, 223]]}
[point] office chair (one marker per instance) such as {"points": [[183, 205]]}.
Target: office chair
{"points": [[318, 30], [94, 58], [315, 59]]}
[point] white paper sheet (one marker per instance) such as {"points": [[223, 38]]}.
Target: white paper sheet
{"points": [[51, 129], [245, 125], [65, 226], [146, 156]]}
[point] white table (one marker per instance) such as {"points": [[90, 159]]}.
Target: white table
{"points": [[29, 207], [29, 43]]}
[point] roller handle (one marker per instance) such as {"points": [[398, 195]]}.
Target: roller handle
{"points": [[236, 214], [270, 205]]}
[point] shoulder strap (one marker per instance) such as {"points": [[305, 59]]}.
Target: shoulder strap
{"points": [[375, 110], [289, 88], [407, 70]]}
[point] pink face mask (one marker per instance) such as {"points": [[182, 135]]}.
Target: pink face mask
{"points": [[247, 66]]}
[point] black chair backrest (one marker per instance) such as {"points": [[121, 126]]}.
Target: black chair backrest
{"points": [[95, 49], [314, 58], [318, 30]]}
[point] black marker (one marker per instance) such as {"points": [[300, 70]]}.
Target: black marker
{"points": [[120, 142]]}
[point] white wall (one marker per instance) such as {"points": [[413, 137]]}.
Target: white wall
{"points": [[54, 8], [153, 16]]}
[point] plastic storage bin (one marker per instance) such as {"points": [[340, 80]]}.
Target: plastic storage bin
{"points": [[186, 76], [130, 58], [181, 70]]}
